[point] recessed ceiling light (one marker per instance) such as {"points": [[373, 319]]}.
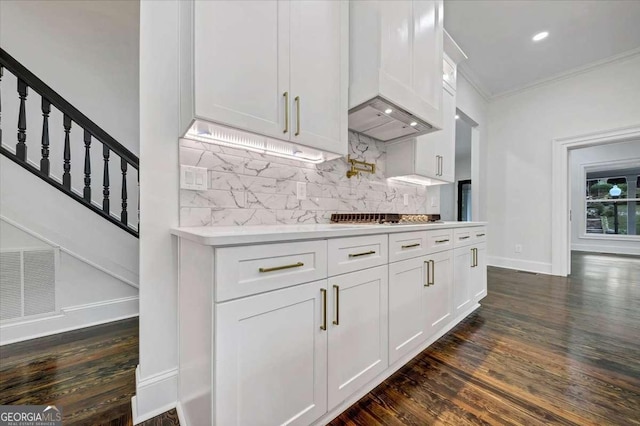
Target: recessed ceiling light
{"points": [[388, 111], [457, 116], [540, 36], [413, 123]]}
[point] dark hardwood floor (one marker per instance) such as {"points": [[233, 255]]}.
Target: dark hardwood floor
{"points": [[541, 350]]}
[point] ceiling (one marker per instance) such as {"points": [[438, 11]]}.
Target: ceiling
{"points": [[496, 35]]}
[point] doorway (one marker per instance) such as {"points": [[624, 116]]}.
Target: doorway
{"points": [[561, 218]]}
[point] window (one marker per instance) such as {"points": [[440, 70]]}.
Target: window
{"points": [[612, 204]]}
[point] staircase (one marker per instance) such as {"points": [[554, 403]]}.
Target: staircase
{"points": [[111, 149], [62, 267]]}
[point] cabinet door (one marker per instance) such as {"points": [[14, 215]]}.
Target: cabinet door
{"points": [[436, 152], [479, 273], [271, 358], [241, 66], [358, 328], [439, 294], [319, 74], [407, 316], [461, 279]]}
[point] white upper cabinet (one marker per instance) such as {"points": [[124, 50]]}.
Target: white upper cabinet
{"points": [[396, 56], [319, 73], [272, 68], [241, 64], [430, 158]]}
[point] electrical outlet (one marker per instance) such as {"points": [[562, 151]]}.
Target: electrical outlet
{"points": [[301, 191], [406, 199], [518, 248], [194, 178]]}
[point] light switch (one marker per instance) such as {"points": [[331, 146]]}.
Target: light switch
{"points": [[194, 178]]}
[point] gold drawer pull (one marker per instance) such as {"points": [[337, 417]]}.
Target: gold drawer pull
{"points": [[411, 245], [323, 291], [297, 99], [480, 235], [279, 268], [464, 238], [427, 264], [286, 112], [366, 253], [337, 320], [433, 272], [442, 241]]}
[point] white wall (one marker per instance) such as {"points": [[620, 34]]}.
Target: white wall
{"points": [[522, 127], [156, 378], [82, 292], [87, 51], [578, 159]]}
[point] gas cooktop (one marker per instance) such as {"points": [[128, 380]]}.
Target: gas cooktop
{"points": [[384, 218]]}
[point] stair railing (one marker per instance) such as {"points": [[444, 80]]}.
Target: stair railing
{"points": [[71, 116]]}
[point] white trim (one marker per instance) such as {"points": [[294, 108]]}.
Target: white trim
{"points": [[155, 394], [519, 264], [68, 319], [469, 75], [181, 418], [629, 54], [561, 193], [67, 251], [610, 237]]}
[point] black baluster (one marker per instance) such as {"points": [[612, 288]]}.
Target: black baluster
{"points": [[105, 180], [87, 166], [66, 176], [21, 147], [44, 161], [123, 214]]}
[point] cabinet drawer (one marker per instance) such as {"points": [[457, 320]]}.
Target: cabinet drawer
{"points": [[355, 253], [479, 234], [246, 270], [439, 240], [407, 245], [463, 237]]}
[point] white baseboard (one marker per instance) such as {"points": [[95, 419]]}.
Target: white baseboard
{"points": [[181, 418], [69, 319], [154, 395], [596, 248], [519, 264]]}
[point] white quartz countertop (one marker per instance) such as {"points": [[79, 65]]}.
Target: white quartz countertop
{"points": [[255, 234]]}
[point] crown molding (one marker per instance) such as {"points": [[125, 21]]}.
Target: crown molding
{"points": [[629, 54]]}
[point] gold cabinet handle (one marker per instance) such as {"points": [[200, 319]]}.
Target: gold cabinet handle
{"points": [[464, 238], [337, 290], [433, 272], [279, 268], [323, 292], [442, 241], [366, 253], [437, 165], [286, 112], [475, 256], [411, 246], [297, 99], [480, 235], [428, 266], [441, 165]]}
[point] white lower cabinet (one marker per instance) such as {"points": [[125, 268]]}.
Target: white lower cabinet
{"points": [[462, 264], [420, 301], [439, 293], [271, 357], [358, 327], [479, 273]]}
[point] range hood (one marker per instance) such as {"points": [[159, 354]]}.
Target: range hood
{"points": [[385, 121]]}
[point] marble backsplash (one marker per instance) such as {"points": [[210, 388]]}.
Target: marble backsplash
{"points": [[248, 188]]}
